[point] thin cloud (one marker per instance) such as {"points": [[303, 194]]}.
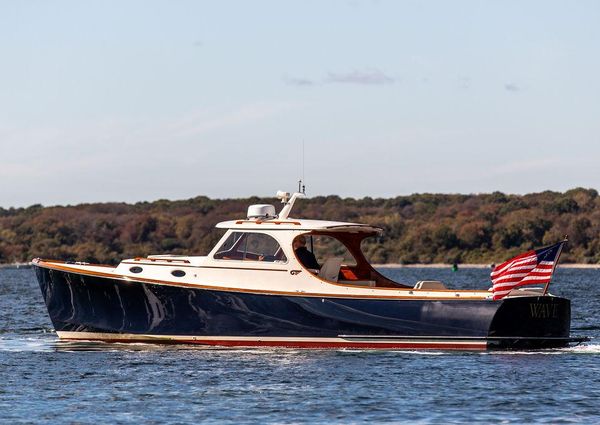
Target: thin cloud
{"points": [[201, 122], [357, 3], [367, 77], [512, 87], [464, 82], [515, 167], [298, 82]]}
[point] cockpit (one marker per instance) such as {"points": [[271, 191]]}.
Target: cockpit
{"points": [[328, 250], [332, 256], [339, 259]]}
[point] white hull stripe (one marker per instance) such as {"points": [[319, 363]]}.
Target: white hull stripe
{"points": [[240, 340]]}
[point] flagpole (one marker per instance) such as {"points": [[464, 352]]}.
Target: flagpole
{"points": [[565, 240]]}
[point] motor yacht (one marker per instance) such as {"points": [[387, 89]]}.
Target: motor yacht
{"points": [[273, 280]]}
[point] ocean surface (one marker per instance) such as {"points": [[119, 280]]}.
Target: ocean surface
{"points": [[43, 380]]}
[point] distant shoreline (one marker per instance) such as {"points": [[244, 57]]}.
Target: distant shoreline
{"points": [[476, 266], [15, 266], [389, 266]]}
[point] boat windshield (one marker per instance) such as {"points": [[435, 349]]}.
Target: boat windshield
{"points": [[250, 246]]}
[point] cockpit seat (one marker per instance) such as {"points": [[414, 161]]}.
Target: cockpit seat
{"points": [[330, 269], [430, 285]]}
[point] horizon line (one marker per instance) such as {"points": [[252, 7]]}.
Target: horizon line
{"points": [[239, 198]]}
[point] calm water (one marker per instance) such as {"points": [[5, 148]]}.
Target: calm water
{"points": [[44, 380]]}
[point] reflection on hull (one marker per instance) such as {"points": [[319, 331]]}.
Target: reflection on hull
{"points": [[96, 308]]}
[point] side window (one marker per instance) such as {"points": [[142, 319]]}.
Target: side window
{"points": [[251, 247]]}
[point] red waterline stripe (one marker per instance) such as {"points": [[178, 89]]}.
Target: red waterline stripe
{"points": [[370, 345], [299, 344]]}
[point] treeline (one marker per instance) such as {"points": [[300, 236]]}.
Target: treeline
{"points": [[420, 228]]}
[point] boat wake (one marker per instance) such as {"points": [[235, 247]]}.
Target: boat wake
{"points": [[47, 342], [585, 348], [11, 343]]}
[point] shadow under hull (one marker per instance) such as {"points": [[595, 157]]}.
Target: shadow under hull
{"points": [[84, 307]]}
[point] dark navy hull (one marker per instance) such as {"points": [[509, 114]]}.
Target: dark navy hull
{"points": [[123, 309]]}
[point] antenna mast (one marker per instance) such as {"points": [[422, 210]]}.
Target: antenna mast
{"points": [[301, 186]]}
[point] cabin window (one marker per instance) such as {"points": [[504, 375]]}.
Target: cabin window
{"points": [[136, 269], [178, 273], [250, 246]]}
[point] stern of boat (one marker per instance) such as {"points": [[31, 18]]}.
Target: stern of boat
{"points": [[528, 322]]}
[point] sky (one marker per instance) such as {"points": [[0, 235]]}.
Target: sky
{"points": [[143, 100]]}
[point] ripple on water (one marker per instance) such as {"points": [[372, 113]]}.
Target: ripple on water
{"points": [[47, 380], [48, 341]]}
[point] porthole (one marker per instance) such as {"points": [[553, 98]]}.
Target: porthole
{"points": [[136, 269], [178, 273]]}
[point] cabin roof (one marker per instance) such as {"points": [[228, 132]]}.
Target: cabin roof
{"points": [[298, 224]]}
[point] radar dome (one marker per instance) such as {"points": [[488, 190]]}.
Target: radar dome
{"points": [[261, 211]]}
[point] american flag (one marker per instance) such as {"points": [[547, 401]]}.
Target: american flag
{"points": [[534, 267]]}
